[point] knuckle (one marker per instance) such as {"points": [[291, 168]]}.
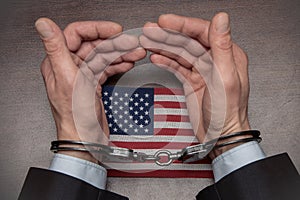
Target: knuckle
{"points": [[231, 83], [44, 66], [54, 47], [71, 27], [240, 56], [45, 62], [224, 42]]}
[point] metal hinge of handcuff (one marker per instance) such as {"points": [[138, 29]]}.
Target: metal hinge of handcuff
{"points": [[119, 154]]}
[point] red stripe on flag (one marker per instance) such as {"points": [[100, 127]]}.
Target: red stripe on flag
{"points": [[173, 131], [169, 104], [167, 91], [171, 118], [179, 172], [162, 173]]}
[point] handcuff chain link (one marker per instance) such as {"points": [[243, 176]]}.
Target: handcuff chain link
{"points": [[158, 157], [161, 157]]}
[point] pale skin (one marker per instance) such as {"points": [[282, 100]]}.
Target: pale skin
{"points": [[65, 52], [67, 49], [230, 60]]}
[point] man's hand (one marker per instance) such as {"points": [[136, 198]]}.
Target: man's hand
{"points": [[229, 60], [66, 51]]}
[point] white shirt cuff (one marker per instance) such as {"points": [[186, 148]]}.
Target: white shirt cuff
{"points": [[84, 170], [236, 158]]}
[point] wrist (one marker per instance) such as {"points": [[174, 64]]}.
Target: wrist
{"points": [[218, 151], [238, 128], [67, 132]]}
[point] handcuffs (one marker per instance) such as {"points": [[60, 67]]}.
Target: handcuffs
{"points": [[118, 154]]}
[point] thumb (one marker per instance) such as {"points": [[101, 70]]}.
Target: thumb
{"points": [[221, 43], [55, 44]]}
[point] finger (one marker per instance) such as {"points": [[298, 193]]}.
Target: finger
{"points": [[87, 48], [174, 57], [113, 70], [113, 51], [100, 61], [192, 27], [133, 56], [122, 67], [221, 44], [154, 32], [122, 42], [89, 30], [55, 45], [179, 54], [172, 66]]}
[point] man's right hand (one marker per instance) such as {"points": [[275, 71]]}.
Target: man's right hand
{"points": [[229, 60]]}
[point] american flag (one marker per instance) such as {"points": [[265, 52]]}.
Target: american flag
{"points": [[146, 120]]}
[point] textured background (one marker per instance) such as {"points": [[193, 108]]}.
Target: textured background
{"points": [[269, 31]]}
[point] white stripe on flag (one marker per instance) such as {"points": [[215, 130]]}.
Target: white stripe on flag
{"points": [[170, 111], [153, 166], [178, 125], [151, 138], [172, 98]]}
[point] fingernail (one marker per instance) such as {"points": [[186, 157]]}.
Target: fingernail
{"points": [[222, 23], [44, 29]]}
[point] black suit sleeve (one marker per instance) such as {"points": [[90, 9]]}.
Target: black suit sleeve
{"points": [[49, 185], [268, 179]]}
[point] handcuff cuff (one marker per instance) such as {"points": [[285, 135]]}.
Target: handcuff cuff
{"points": [[186, 155]]}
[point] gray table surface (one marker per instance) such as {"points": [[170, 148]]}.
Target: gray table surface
{"points": [[269, 31]]}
